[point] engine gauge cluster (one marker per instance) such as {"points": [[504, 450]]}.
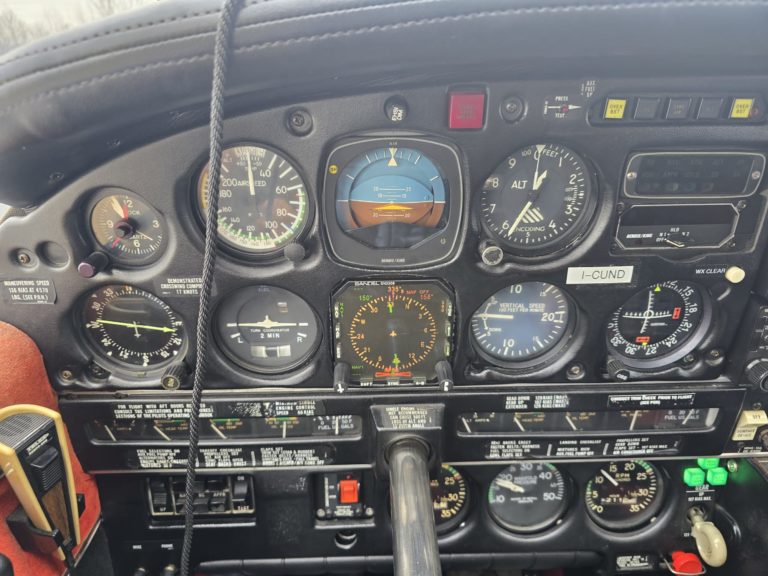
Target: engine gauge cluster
{"points": [[391, 331]]}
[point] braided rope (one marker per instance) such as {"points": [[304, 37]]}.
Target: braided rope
{"points": [[222, 48]]}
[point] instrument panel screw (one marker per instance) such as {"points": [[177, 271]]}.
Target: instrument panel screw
{"points": [[369, 512], [714, 354], [741, 205], [732, 466], [689, 359], [24, 258], [756, 175], [512, 109], [55, 176], [67, 375], [631, 176], [299, 122], [575, 371], [320, 513]]}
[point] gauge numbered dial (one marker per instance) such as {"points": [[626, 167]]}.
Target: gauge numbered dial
{"points": [[127, 228], [528, 497], [267, 329], [538, 201], [406, 319], [522, 322], [391, 331], [132, 328], [661, 321], [624, 495], [263, 200], [450, 498]]}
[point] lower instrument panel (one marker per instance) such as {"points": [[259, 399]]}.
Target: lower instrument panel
{"points": [[141, 432]]}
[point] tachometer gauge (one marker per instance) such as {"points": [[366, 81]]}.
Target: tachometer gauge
{"points": [[661, 322], [538, 201], [127, 228], [132, 328], [624, 495], [392, 331], [263, 201], [528, 497], [450, 498], [266, 329], [522, 322]]}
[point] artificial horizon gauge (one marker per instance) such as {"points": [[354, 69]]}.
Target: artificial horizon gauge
{"points": [[624, 496], [522, 322], [127, 228], [132, 328], [528, 497], [660, 324], [393, 202], [393, 331], [266, 329], [263, 200], [538, 201]]}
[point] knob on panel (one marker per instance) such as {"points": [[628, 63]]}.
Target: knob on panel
{"points": [[757, 372]]}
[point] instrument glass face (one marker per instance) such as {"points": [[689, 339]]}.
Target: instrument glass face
{"points": [[263, 200], [656, 321], [528, 497], [391, 197], [538, 199], [127, 228], [267, 329], [390, 331], [132, 328], [521, 322], [450, 498], [624, 495]]}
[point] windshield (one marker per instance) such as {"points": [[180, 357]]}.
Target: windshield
{"points": [[24, 21]]}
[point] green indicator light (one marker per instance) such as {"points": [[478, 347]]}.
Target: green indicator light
{"points": [[717, 477], [708, 463], [693, 477]]}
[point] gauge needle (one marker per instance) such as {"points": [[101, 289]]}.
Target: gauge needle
{"points": [[136, 330], [486, 315], [537, 182], [509, 485], [139, 233], [519, 218], [648, 312], [134, 325], [118, 208], [610, 478], [250, 177]]}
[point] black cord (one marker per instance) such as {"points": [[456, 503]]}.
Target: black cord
{"points": [[222, 50]]}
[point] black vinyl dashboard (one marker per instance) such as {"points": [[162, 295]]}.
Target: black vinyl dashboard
{"points": [[530, 234]]}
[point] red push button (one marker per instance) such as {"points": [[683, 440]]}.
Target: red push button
{"points": [[686, 563], [349, 491], [466, 110]]}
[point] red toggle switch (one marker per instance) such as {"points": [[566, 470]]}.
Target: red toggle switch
{"points": [[686, 563], [349, 491]]}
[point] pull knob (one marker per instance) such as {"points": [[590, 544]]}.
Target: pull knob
{"points": [[617, 371], [709, 540], [174, 376], [93, 264], [757, 372]]}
